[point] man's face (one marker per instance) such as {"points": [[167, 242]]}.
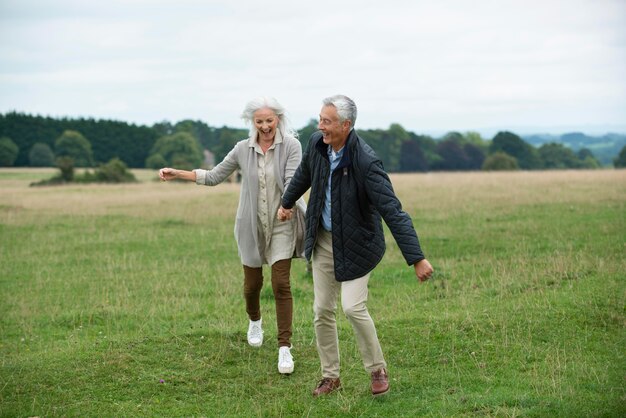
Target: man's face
{"points": [[335, 132]]}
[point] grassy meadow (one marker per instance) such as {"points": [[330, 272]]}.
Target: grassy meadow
{"points": [[126, 300]]}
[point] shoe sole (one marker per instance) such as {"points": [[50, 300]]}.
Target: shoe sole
{"points": [[255, 344], [285, 370], [380, 394]]}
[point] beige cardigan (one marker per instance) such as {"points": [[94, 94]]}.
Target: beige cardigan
{"points": [[288, 153]]}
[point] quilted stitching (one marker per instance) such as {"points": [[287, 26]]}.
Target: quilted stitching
{"points": [[362, 193]]}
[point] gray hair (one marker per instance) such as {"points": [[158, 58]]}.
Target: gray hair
{"points": [[272, 104], [346, 108]]}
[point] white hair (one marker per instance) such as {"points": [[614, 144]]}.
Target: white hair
{"points": [[346, 108], [270, 103]]}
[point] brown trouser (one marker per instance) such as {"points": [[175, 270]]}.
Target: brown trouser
{"points": [[253, 282]]}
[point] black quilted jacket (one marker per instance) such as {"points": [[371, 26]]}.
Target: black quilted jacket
{"points": [[361, 192]]}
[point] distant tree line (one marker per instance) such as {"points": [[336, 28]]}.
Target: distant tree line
{"points": [[605, 147], [108, 139], [27, 140]]}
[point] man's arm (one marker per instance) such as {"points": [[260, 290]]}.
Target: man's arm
{"points": [[381, 195]]}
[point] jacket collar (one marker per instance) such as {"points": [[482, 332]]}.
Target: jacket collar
{"points": [[348, 149], [253, 140]]}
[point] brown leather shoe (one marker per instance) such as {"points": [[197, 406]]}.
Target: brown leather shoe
{"points": [[380, 382], [326, 386]]}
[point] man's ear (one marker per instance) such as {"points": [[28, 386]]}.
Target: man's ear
{"points": [[346, 125]]}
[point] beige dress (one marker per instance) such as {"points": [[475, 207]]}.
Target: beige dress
{"points": [[275, 237]]}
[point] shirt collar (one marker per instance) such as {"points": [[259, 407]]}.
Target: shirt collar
{"points": [[253, 143], [334, 155]]}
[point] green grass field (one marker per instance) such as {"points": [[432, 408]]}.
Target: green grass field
{"points": [[107, 290]]}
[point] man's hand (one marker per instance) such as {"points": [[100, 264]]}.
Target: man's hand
{"points": [[284, 214], [423, 270]]}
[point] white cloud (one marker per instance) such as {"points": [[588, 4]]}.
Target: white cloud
{"points": [[426, 65]]}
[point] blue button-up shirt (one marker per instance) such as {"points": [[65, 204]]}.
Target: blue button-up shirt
{"points": [[334, 158]]}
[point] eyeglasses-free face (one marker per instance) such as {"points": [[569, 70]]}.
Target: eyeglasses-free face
{"points": [[335, 132], [265, 122]]}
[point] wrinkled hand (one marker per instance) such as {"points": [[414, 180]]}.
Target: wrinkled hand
{"points": [[167, 173], [284, 214], [423, 270]]}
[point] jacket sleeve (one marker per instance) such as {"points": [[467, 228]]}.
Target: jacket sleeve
{"points": [[300, 182], [381, 195], [221, 171]]}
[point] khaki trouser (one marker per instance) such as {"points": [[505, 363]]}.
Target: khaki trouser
{"points": [[353, 299], [253, 282]]}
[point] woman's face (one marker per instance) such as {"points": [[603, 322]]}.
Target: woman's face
{"points": [[266, 121]]}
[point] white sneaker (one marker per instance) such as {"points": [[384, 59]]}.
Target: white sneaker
{"points": [[285, 361], [255, 333]]}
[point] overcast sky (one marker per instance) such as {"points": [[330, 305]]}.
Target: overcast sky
{"points": [[432, 66]]}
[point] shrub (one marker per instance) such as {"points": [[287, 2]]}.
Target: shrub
{"points": [[41, 155], [115, 171], [500, 161], [620, 160], [8, 152], [66, 165], [155, 161]]}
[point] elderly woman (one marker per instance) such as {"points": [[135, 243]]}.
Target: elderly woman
{"points": [[267, 160]]}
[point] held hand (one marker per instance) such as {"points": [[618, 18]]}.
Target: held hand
{"points": [[284, 214], [167, 173], [423, 270]]}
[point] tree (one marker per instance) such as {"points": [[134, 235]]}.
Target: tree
{"points": [[589, 162], [163, 128], [620, 160], [587, 159], [513, 145], [180, 150], [584, 153], [475, 138], [26, 130], [227, 139], [412, 157], [474, 156], [500, 161], [8, 151], [558, 156], [108, 139], [459, 152], [155, 161], [207, 136], [396, 135], [74, 145], [428, 146], [305, 133], [454, 136], [66, 166], [41, 155], [453, 157], [387, 144]]}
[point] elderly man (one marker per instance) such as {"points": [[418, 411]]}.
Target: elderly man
{"points": [[350, 191]]}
